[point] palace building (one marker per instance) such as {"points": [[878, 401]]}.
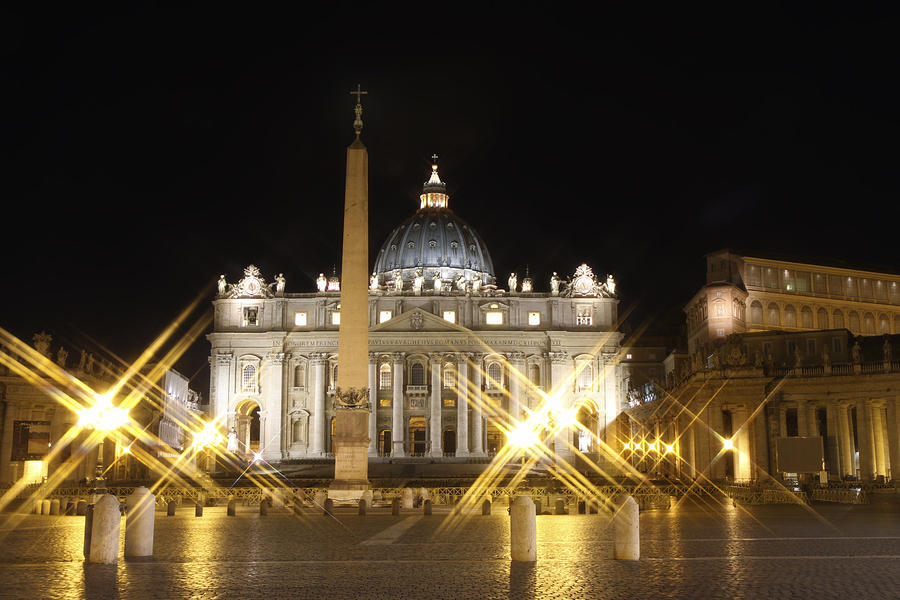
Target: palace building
{"points": [[453, 353]]}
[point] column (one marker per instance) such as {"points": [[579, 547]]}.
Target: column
{"points": [[223, 389], [803, 425], [271, 430], [716, 422], [690, 456], [373, 404], [741, 425], [845, 440], [562, 382], [608, 367], [866, 441], [892, 431], [477, 403], [832, 433], [462, 405], [516, 361], [398, 431], [317, 443], [880, 446], [437, 442]]}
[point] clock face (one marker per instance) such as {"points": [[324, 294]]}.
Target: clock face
{"points": [[251, 285], [583, 285]]}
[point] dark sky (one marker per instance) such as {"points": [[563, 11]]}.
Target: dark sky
{"points": [[149, 149]]}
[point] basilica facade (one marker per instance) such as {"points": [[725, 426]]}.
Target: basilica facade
{"points": [[454, 355]]}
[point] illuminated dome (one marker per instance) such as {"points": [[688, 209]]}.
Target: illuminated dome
{"points": [[433, 240]]}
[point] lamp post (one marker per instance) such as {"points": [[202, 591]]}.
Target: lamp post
{"points": [[205, 439], [102, 416]]}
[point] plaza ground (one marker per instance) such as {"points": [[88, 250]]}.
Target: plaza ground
{"points": [[695, 550]]}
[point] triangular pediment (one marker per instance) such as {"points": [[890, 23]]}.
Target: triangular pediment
{"points": [[417, 319]]}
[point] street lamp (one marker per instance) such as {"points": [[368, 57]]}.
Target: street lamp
{"points": [[102, 416], [208, 437]]}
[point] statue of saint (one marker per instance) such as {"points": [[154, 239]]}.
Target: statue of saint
{"points": [[232, 445], [373, 282], [321, 282], [476, 285], [398, 282], [418, 283], [461, 283], [857, 353], [887, 350], [437, 281], [90, 363], [513, 282], [61, 357], [279, 284], [222, 285], [826, 356], [554, 284], [611, 284]]}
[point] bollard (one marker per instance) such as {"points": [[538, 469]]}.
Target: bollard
{"points": [[70, 507], [170, 508], [582, 507], [537, 507], [627, 530], [88, 523], [264, 507], [395, 506], [198, 510], [319, 499], [362, 507], [522, 530], [426, 508], [486, 508], [54, 506], [81, 508], [139, 521], [329, 507], [105, 525], [560, 507], [232, 507], [45, 507], [406, 496], [367, 496], [593, 507]]}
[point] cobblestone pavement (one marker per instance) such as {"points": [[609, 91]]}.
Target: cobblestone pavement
{"points": [[687, 552]]}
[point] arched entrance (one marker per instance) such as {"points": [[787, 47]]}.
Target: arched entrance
{"points": [[495, 438], [246, 425], [450, 441], [589, 419], [384, 442]]}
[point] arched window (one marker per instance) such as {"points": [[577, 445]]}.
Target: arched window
{"points": [[417, 374], [585, 378], [838, 319], [756, 313], [384, 377], [449, 376], [248, 378], [822, 318], [790, 316], [854, 321], [806, 318], [534, 375], [884, 324], [494, 376], [774, 315], [300, 376], [869, 323]]}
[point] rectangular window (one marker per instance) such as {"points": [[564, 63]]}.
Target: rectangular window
{"points": [[820, 282], [385, 315], [534, 318], [881, 290], [450, 316], [335, 318], [583, 316], [836, 345], [788, 281], [493, 318], [850, 287], [801, 281], [251, 316], [865, 288], [791, 347], [771, 278], [810, 347], [300, 319], [834, 285], [753, 276], [767, 348], [627, 357]]}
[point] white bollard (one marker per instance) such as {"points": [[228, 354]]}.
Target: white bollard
{"points": [[627, 530], [406, 498], [367, 496], [105, 531], [522, 530], [139, 520], [54, 506], [319, 499], [45, 507]]}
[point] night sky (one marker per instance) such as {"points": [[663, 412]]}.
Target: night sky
{"points": [[147, 149]]}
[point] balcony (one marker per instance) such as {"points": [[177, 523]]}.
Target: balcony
{"points": [[417, 390]]}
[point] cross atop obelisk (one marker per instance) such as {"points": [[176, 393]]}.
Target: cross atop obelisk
{"points": [[357, 123]]}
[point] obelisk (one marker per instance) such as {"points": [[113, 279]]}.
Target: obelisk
{"points": [[351, 425]]}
